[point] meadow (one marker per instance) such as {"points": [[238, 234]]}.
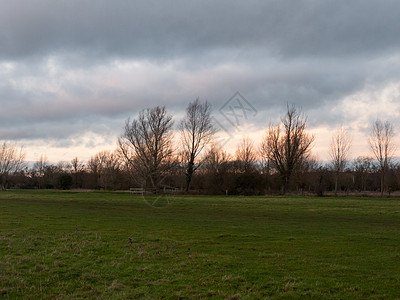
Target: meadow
{"points": [[56, 245]]}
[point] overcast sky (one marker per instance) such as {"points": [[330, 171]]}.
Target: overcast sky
{"points": [[72, 72]]}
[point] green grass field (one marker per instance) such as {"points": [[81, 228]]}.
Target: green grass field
{"points": [[114, 245]]}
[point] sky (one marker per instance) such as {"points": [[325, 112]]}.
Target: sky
{"points": [[72, 72]]}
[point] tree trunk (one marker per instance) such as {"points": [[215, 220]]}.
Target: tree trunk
{"points": [[336, 183], [285, 184], [3, 185], [189, 174]]}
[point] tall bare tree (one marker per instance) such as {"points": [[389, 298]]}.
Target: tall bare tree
{"points": [[197, 131], [287, 145], [381, 143], [11, 161], [246, 156], [339, 150], [146, 145]]}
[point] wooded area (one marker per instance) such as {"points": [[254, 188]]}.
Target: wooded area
{"points": [[148, 158]]}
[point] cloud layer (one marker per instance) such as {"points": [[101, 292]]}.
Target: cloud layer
{"points": [[78, 69]]}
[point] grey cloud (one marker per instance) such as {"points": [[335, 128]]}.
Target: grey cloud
{"points": [[46, 130], [308, 83], [64, 53], [161, 30]]}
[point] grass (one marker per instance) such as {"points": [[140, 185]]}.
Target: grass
{"points": [[114, 245]]}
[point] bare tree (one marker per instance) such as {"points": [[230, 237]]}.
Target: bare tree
{"points": [[381, 143], [39, 169], [197, 131], [362, 166], [245, 156], [287, 145], [146, 145], [93, 165], [105, 166], [11, 162], [77, 167], [64, 166], [108, 168], [215, 159], [339, 150], [216, 169]]}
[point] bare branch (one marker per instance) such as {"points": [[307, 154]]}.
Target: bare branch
{"points": [[146, 145], [197, 131], [245, 155], [339, 151], [287, 145], [11, 162], [382, 146]]}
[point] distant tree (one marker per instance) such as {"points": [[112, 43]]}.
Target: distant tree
{"points": [[77, 168], [287, 145], [216, 167], [197, 131], [146, 145], [382, 145], [248, 178], [39, 169], [308, 175], [49, 179], [93, 166], [77, 165], [215, 158], [339, 150], [110, 168], [65, 181], [11, 162], [362, 166], [64, 166], [246, 157], [105, 166]]}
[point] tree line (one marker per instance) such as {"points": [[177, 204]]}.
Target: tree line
{"points": [[151, 156]]}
